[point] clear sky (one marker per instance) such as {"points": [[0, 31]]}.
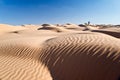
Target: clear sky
{"points": [[59, 11]]}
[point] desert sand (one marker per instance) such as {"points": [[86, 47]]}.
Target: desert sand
{"points": [[59, 52]]}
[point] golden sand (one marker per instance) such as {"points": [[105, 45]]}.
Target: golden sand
{"points": [[64, 52]]}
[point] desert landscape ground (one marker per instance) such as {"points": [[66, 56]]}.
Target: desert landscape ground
{"points": [[59, 52]]}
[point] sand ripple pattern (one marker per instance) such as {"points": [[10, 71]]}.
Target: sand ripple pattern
{"points": [[82, 57], [75, 56], [18, 61]]}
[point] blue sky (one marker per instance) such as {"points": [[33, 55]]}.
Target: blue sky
{"points": [[19, 12]]}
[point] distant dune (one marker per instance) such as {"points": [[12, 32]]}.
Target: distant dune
{"points": [[59, 52]]}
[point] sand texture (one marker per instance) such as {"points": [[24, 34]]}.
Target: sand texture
{"points": [[59, 52]]}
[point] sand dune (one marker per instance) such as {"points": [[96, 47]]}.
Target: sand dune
{"points": [[62, 28], [30, 26], [50, 52], [7, 28], [92, 28], [73, 27], [82, 57], [18, 59], [52, 27], [110, 31]]}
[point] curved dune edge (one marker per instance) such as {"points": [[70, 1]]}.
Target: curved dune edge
{"points": [[82, 56], [112, 32]]}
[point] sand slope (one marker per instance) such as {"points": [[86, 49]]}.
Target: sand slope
{"points": [[47, 54]]}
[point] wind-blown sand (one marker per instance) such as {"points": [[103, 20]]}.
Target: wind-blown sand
{"points": [[53, 52]]}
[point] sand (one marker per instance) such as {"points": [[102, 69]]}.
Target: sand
{"points": [[59, 52]]}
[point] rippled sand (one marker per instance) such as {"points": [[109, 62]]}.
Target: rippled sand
{"points": [[59, 52]]}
